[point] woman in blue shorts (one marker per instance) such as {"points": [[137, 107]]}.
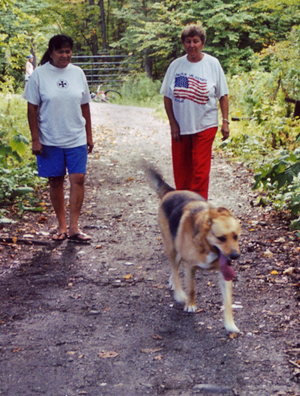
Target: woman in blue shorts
{"points": [[60, 124]]}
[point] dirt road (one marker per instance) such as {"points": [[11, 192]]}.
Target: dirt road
{"points": [[99, 319]]}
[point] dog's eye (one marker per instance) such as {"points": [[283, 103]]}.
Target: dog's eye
{"points": [[222, 239]]}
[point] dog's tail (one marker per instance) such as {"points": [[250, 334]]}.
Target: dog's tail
{"points": [[157, 182]]}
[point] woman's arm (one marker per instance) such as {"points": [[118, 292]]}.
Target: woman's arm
{"points": [[225, 112], [32, 115], [85, 108], [175, 130]]}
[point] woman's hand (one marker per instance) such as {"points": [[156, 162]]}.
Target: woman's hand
{"points": [[225, 130], [225, 110], [85, 108], [90, 145], [175, 131], [36, 147]]}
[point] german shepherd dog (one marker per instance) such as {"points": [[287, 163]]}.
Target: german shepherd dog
{"points": [[202, 236]]}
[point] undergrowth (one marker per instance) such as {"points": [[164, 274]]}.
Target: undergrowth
{"points": [[18, 174]]}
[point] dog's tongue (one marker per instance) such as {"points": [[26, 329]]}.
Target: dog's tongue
{"points": [[226, 270]]}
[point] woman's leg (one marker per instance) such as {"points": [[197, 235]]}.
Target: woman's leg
{"points": [[58, 202], [76, 160], [202, 151], [76, 200], [182, 162]]}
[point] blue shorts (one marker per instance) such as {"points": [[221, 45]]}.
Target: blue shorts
{"points": [[54, 161]]}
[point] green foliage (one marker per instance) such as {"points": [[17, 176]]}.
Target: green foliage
{"points": [[13, 130], [148, 28], [283, 60], [18, 175], [235, 30], [267, 137], [281, 179], [24, 28], [138, 90]]}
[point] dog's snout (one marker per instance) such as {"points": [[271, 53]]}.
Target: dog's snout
{"points": [[234, 255]]}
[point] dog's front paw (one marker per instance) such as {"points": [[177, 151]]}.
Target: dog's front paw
{"points": [[171, 283], [180, 296], [190, 308], [231, 328]]}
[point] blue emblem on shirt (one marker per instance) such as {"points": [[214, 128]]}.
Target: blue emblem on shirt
{"points": [[62, 84]]}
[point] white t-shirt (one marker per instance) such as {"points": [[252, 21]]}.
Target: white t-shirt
{"points": [[59, 93], [194, 88]]}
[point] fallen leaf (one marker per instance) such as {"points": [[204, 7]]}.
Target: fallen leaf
{"points": [[14, 239], [98, 247], [288, 271], [280, 240], [129, 276], [130, 179], [149, 350], [17, 350], [157, 337], [158, 357], [71, 353], [232, 336], [268, 253], [108, 354], [274, 272]]}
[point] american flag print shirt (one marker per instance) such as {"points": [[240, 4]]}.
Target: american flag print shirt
{"points": [[194, 88], [191, 89]]}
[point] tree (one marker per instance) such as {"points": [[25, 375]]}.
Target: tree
{"points": [[235, 29]]}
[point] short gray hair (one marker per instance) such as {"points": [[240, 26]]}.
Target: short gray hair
{"points": [[193, 30]]}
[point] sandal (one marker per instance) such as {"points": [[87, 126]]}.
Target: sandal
{"points": [[80, 238]]}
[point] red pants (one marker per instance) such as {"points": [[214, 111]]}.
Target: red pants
{"points": [[192, 160]]}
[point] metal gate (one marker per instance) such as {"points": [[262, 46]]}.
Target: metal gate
{"points": [[108, 70]]}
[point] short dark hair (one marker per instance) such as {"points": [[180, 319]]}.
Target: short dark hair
{"points": [[191, 31], [55, 43]]}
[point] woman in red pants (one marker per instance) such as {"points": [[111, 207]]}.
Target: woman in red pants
{"points": [[192, 86]]}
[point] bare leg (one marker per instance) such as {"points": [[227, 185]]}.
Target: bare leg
{"points": [[58, 202], [76, 200]]}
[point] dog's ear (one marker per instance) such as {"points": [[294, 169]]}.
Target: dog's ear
{"points": [[213, 214], [216, 212], [221, 210], [200, 225]]}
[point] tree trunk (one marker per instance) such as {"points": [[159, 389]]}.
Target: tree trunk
{"points": [[148, 63], [94, 38], [103, 25]]}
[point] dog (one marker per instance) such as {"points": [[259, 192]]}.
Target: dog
{"points": [[200, 235]]}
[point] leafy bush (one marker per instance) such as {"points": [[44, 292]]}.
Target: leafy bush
{"points": [[267, 137], [139, 90], [18, 174]]}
